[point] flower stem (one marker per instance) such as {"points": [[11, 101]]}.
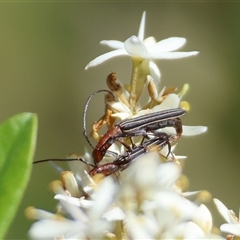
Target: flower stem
{"points": [[139, 76]]}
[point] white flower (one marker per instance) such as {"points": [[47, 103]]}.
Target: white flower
{"points": [[146, 203], [142, 52], [140, 48], [233, 223], [149, 200], [79, 226], [89, 219]]}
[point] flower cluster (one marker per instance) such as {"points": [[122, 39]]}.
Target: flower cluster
{"points": [[148, 199]]}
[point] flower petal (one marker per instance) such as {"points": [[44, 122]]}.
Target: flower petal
{"points": [[114, 214], [189, 194], [79, 202], [203, 219], [50, 229], [103, 198], [169, 44], [193, 130], [174, 205], [75, 212], [137, 227], [142, 27], [104, 57], [154, 71], [170, 55], [171, 101], [119, 106], [113, 44], [135, 47], [122, 115], [193, 231], [72, 200], [224, 211], [149, 42], [231, 228], [167, 175]]}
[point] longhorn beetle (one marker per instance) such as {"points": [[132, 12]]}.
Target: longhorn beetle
{"points": [[145, 125], [123, 161]]}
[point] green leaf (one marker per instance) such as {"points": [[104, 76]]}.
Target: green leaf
{"points": [[17, 145]]}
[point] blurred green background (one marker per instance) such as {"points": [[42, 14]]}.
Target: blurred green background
{"points": [[44, 48]]}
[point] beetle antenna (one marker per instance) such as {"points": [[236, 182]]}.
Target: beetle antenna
{"points": [[85, 113], [63, 160]]}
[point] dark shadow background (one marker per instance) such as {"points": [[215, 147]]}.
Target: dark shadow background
{"points": [[44, 48]]}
